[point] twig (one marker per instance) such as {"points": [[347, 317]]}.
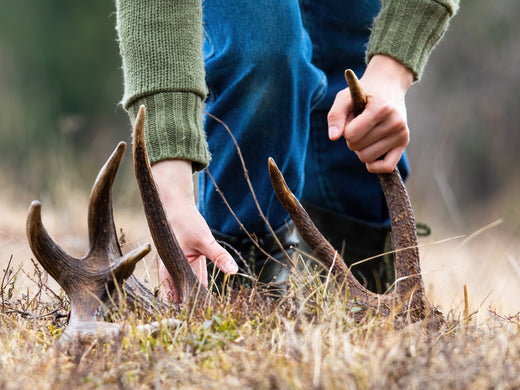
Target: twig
{"points": [[253, 239], [7, 270], [466, 304], [246, 175]]}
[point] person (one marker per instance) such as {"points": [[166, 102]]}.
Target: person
{"points": [[272, 71]]}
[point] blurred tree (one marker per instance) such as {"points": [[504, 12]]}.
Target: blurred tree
{"points": [[465, 116], [60, 84], [61, 80]]}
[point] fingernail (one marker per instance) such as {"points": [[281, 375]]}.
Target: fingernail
{"points": [[333, 131], [230, 267]]}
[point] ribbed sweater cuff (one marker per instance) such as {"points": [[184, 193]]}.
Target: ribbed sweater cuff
{"points": [[408, 31], [173, 127], [161, 47]]}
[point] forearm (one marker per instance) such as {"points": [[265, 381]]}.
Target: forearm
{"points": [[408, 30], [161, 48]]}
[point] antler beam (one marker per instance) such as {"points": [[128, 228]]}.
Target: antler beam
{"points": [[188, 285], [408, 299]]}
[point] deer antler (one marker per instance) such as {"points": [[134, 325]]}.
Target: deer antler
{"points": [[408, 297], [91, 281], [186, 282]]}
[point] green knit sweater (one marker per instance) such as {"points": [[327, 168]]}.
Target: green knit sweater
{"points": [[160, 44]]}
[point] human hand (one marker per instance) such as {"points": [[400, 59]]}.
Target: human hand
{"points": [[380, 134], [175, 184]]}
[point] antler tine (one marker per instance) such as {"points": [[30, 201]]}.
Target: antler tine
{"points": [[101, 227], [187, 283], [51, 256], [366, 299], [309, 232], [104, 242], [103, 238], [359, 100]]}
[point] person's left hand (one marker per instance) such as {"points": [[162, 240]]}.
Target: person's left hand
{"points": [[175, 183], [380, 134]]}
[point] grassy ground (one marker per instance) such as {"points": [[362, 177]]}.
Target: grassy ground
{"points": [[304, 341]]}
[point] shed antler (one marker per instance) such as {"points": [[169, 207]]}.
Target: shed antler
{"points": [[408, 299], [91, 280], [187, 284], [95, 279]]}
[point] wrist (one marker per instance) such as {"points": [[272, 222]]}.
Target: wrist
{"points": [[392, 70], [174, 180]]}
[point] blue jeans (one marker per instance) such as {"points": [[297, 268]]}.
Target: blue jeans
{"points": [[273, 68]]}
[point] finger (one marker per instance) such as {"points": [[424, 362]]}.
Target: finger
{"points": [[199, 267], [388, 163], [338, 115], [381, 147], [170, 291], [359, 127], [391, 126], [221, 258]]}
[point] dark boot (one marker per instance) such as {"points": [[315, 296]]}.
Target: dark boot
{"points": [[259, 270], [356, 240]]}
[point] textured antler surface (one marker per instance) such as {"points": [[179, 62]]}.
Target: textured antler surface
{"points": [[408, 299], [188, 285], [95, 279]]}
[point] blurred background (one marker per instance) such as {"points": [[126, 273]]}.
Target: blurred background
{"points": [[60, 84]]}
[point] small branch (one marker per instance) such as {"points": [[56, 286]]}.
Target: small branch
{"points": [[2, 287], [253, 194]]}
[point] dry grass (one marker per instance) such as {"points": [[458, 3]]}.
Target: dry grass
{"points": [[304, 341]]}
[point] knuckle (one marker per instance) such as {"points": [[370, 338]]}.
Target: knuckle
{"points": [[371, 169], [385, 109], [349, 135], [332, 117], [404, 134], [363, 156], [399, 122], [406, 137], [387, 168], [351, 143], [341, 94]]}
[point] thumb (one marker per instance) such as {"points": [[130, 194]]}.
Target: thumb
{"points": [[338, 115]]}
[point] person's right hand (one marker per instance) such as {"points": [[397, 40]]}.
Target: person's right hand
{"points": [[175, 184], [380, 134]]}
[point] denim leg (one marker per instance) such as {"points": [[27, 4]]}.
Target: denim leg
{"points": [[262, 85], [335, 179]]}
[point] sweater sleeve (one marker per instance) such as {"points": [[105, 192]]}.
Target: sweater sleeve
{"points": [[408, 30], [160, 42]]}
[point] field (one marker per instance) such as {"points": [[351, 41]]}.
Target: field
{"points": [[304, 341], [56, 129]]}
